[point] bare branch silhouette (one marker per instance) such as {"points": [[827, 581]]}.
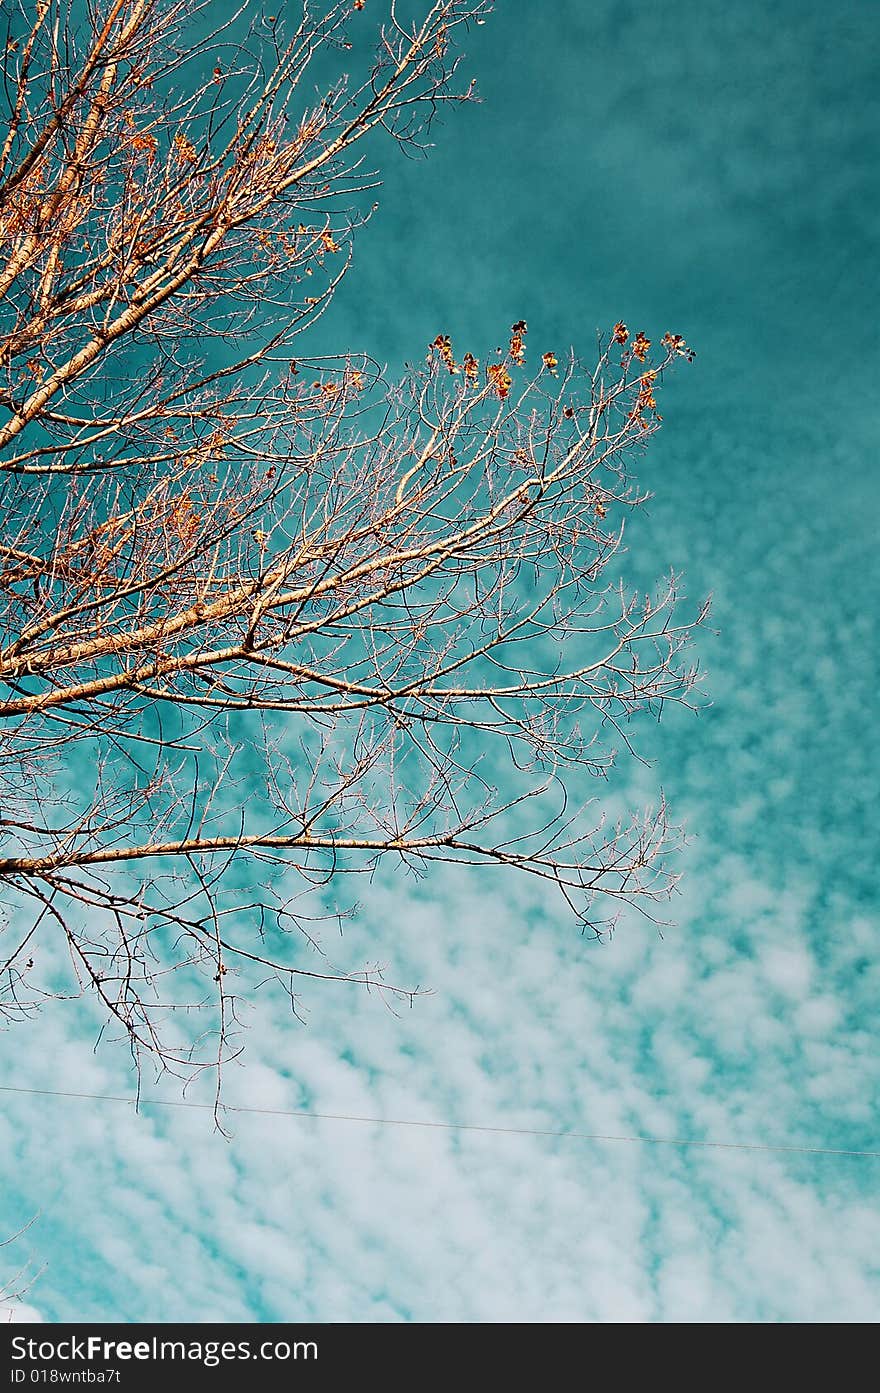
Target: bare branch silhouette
{"points": [[267, 621]]}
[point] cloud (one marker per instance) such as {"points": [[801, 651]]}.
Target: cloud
{"points": [[146, 1216], [19, 1313]]}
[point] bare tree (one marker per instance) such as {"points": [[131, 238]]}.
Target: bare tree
{"points": [[14, 1289], [268, 619]]}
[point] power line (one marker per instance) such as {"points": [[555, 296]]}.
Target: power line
{"points": [[442, 1126]]}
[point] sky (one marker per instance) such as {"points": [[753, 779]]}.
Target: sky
{"points": [[709, 169]]}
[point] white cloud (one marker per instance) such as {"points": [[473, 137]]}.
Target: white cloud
{"points": [[300, 1218], [19, 1313]]}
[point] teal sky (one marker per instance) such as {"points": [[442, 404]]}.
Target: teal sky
{"points": [[710, 169]]}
